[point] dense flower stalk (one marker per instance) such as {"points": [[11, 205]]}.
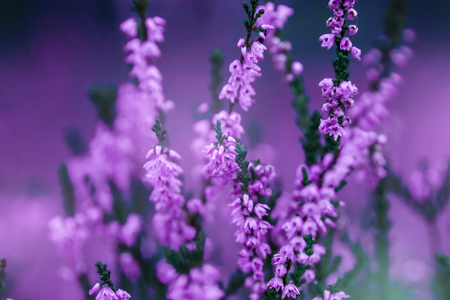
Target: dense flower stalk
{"points": [[105, 289], [143, 54], [169, 220], [279, 50], [247, 213], [312, 204], [339, 92]]}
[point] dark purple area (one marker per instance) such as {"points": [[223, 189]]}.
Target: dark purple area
{"points": [[51, 52]]}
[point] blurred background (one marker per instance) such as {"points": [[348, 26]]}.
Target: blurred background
{"points": [[52, 52]]}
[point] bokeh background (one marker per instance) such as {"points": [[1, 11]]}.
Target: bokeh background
{"points": [[52, 52]]}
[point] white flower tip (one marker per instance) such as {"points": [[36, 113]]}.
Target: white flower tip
{"points": [[158, 149], [150, 153], [173, 154], [267, 27], [94, 289]]}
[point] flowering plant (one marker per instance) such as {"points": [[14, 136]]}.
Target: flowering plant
{"points": [[229, 225]]}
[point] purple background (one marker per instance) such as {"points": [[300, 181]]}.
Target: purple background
{"points": [[51, 52]]}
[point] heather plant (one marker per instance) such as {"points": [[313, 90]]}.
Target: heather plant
{"points": [[126, 188]]}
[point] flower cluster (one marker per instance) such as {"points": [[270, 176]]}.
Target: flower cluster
{"points": [[366, 149], [69, 234], [112, 153], [340, 92], [169, 220], [262, 176], [277, 48], [423, 182], [371, 107], [221, 158], [115, 150], [127, 233], [338, 99], [247, 214], [200, 283], [244, 72], [143, 54], [341, 9], [106, 293], [368, 113], [309, 209], [230, 122], [136, 113]]}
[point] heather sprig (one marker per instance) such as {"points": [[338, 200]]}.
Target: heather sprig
{"points": [[244, 71], [104, 275], [108, 292], [339, 92], [249, 213], [253, 16]]}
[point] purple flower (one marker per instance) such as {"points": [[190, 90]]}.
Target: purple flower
{"points": [[94, 289], [327, 86], [222, 164], [346, 44], [338, 13], [280, 270], [296, 68], [356, 53], [261, 210], [352, 29], [131, 229], [298, 243], [336, 30], [334, 4], [348, 4], [290, 290], [263, 249], [309, 227], [276, 283], [258, 49], [352, 14], [129, 27], [230, 123], [257, 264], [327, 40], [332, 127], [107, 293], [309, 275], [122, 295]]}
